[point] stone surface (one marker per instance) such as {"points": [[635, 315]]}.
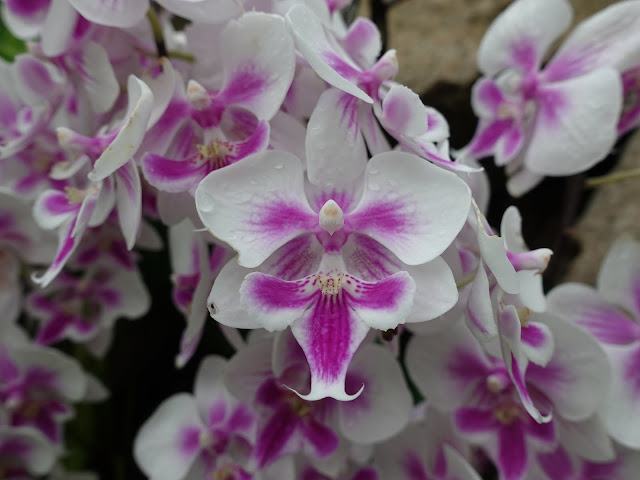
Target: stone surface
{"points": [[613, 210], [437, 40]]}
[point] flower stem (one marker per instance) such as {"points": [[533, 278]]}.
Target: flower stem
{"points": [[156, 28], [595, 182]]}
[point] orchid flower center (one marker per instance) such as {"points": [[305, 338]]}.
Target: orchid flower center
{"points": [[331, 217], [523, 314], [299, 406], [75, 196], [507, 413], [216, 153], [329, 284]]}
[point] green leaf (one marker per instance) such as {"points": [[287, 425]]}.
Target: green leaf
{"points": [[10, 46]]}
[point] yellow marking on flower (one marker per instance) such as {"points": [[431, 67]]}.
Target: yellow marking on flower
{"points": [[329, 285], [506, 414], [74, 195], [216, 153], [523, 314]]}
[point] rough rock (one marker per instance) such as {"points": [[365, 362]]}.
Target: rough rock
{"points": [[613, 210], [437, 40]]}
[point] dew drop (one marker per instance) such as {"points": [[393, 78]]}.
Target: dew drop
{"points": [[374, 187], [278, 166], [373, 171], [206, 202]]}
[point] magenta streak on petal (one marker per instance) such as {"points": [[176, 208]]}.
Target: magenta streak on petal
{"points": [[217, 412], [390, 218], [295, 259], [475, 420], [488, 135], [35, 76], [511, 144], [599, 471], [27, 8], [488, 93], [551, 104], [328, 331], [557, 464], [521, 388], [371, 260], [171, 175], [273, 294], [476, 321], [398, 112], [341, 67], [274, 435], [245, 84], [14, 448], [533, 335], [631, 105], [543, 432], [382, 295], [466, 368], [8, 370], [524, 55], [189, 441], [608, 324], [632, 371], [366, 473], [275, 217], [257, 142], [53, 330], [67, 246], [413, 468], [343, 198], [241, 418], [57, 204], [512, 451], [348, 106], [320, 437]]}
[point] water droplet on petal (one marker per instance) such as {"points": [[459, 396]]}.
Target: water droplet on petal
{"points": [[374, 187], [278, 166], [206, 202], [373, 171]]}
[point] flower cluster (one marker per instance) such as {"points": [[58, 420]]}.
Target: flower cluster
{"points": [[312, 199]]}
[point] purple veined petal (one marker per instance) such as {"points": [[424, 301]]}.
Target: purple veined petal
{"points": [[29, 447], [521, 35], [384, 304], [575, 125], [25, 20], [255, 143], [383, 408], [486, 98], [557, 464], [171, 175], [130, 135], [581, 304], [329, 333], [129, 201], [607, 39], [335, 148], [475, 423], [98, 77], [403, 206], [256, 205], [509, 145], [403, 112], [619, 277], [53, 208], [622, 405], [69, 236], [275, 303], [214, 11], [323, 53], [168, 443], [363, 42], [537, 342], [512, 459], [37, 80], [577, 377], [510, 342], [55, 329], [488, 135], [322, 440], [58, 27], [479, 312], [113, 13], [258, 63], [447, 365], [277, 437]]}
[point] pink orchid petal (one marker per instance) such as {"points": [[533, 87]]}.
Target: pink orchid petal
{"points": [[336, 152], [521, 35], [513, 457], [256, 205], [115, 13], [398, 209], [607, 39], [575, 126], [403, 112], [323, 53], [258, 63], [363, 42]]}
